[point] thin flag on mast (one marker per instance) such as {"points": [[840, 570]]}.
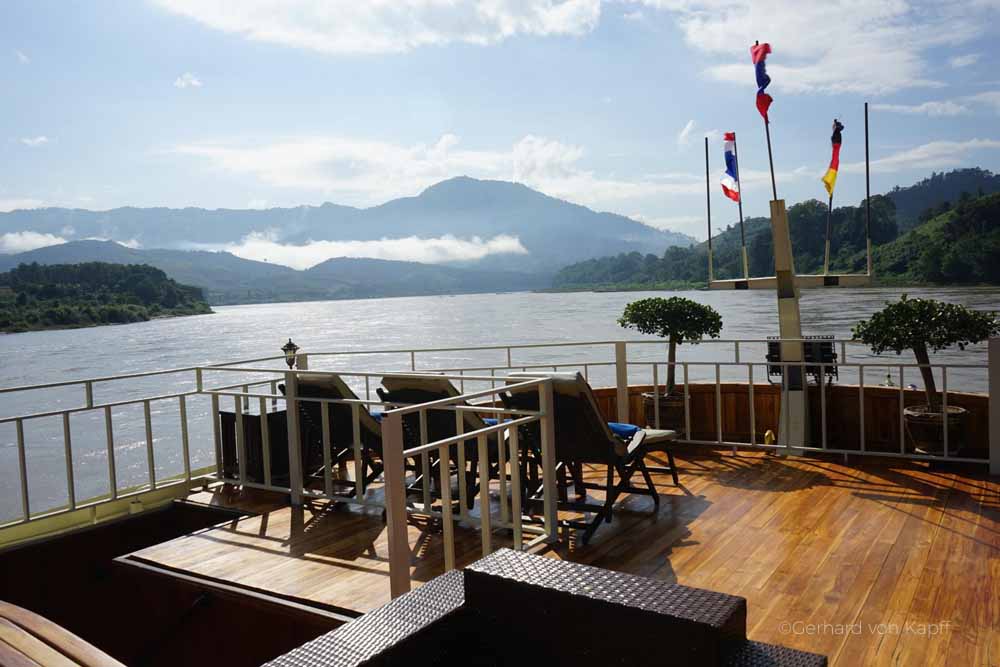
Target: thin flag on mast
{"points": [[730, 177], [758, 54], [830, 177]]}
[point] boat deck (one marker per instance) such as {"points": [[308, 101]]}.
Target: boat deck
{"points": [[870, 563]]}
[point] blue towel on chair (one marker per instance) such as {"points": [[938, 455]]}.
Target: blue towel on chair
{"points": [[624, 431]]}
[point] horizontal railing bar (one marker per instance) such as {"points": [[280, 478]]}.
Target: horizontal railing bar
{"points": [[366, 401], [97, 406], [382, 374], [465, 397], [130, 376], [744, 364], [470, 435], [139, 491]]}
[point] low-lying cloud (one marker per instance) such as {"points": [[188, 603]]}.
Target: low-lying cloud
{"points": [[264, 246], [14, 242]]}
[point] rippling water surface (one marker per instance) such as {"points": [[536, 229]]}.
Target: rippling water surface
{"points": [[240, 332]]}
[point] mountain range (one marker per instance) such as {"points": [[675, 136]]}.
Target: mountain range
{"points": [[228, 279], [552, 231]]}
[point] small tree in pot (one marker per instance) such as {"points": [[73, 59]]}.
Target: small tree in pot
{"points": [[924, 326], [678, 320]]}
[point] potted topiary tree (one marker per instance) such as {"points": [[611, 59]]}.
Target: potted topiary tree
{"points": [[678, 320], [923, 326]]}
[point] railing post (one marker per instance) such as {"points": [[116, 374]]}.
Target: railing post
{"points": [[294, 438], [302, 361], [621, 381], [994, 399], [547, 426], [395, 504]]}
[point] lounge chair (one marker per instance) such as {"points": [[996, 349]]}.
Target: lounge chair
{"points": [[411, 390], [582, 436], [341, 430]]}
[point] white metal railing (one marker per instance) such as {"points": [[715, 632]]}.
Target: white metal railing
{"points": [[617, 363], [394, 488]]}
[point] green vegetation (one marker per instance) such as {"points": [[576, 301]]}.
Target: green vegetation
{"points": [[677, 319], [952, 244], [688, 266], [923, 325], [60, 296]]}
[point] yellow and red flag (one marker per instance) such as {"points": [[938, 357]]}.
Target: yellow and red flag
{"points": [[830, 177]]}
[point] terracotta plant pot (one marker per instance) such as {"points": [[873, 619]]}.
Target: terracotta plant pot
{"points": [[671, 410], [925, 428]]}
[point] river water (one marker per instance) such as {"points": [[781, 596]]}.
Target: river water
{"points": [[241, 332]]}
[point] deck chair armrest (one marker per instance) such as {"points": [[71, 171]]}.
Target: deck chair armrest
{"points": [[636, 441]]}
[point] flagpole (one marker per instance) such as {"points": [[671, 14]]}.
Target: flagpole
{"points": [[829, 233], [770, 158], [708, 209], [739, 202], [868, 198]]}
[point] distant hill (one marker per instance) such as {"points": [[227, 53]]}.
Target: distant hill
{"points": [[914, 201], [554, 232], [62, 296], [230, 279]]}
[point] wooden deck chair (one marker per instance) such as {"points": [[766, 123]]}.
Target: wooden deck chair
{"points": [[411, 390], [582, 436], [330, 385]]}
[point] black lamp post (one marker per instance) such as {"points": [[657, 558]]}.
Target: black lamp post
{"points": [[290, 349]]}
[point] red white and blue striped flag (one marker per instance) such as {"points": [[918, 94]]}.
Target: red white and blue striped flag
{"points": [[758, 54], [730, 177]]}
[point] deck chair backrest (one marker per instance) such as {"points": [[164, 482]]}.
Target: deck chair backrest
{"points": [[582, 435], [330, 385], [412, 390]]}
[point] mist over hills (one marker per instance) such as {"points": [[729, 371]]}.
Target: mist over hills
{"points": [[552, 231], [227, 279]]}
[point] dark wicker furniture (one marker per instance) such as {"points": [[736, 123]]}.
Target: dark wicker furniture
{"points": [[512, 608]]}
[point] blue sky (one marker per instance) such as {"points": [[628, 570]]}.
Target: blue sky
{"points": [[263, 103]]}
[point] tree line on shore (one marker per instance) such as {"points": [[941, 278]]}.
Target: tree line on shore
{"points": [[35, 296]]}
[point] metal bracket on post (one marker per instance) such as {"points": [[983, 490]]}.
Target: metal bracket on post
{"points": [[295, 481], [994, 405], [621, 381], [395, 504]]}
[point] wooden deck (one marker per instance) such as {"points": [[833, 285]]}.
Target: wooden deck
{"points": [[869, 563]]}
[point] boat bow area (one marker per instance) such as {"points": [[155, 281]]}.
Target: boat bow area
{"points": [[325, 493]]}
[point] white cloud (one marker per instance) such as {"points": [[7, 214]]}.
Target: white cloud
{"points": [[944, 108], [22, 57], [35, 142], [363, 172], [7, 205], [14, 242], [965, 60], [267, 246], [187, 80], [349, 26], [932, 155], [832, 47], [991, 98], [684, 136]]}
